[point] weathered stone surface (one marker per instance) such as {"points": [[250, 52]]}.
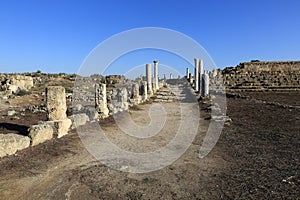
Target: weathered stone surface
{"points": [[259, 76], [136, 99], [56, 103], [63, 127], [23, 82], [122, 99], [79, 119], [13, 89], [11, 112], [40, 133], [144, 90], [149, 78], [101, 100], [60, 127], [11, 143]]}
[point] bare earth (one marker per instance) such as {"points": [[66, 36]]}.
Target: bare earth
{"points": [[256, 157]]}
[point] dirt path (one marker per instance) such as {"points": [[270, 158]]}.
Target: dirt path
{"points": [[63, 169], [256, 157]]}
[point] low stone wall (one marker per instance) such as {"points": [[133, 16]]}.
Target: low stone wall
{"points": [[92, 100], [259, 75]]}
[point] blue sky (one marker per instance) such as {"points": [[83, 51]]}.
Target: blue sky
{"points": [[57, 35]]}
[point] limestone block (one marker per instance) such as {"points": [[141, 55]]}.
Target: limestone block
{"points": [[60, 127], [63, 127], [10, 143], [23, 82], [13, 89], [40, 133], [56, 103], [79, 119]]}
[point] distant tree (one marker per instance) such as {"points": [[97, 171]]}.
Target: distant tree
{"points": [[255, 60], [38, 71]]}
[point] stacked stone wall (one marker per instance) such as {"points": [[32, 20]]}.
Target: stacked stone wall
{"points": [[259, 75]]}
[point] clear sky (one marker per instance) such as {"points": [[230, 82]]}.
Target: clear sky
{"points": [[57, 35]]}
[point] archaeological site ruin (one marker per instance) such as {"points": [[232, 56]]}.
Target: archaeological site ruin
{"points": [[40, 114]]}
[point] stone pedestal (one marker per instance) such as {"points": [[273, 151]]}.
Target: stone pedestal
{"points": [[56, 103]]}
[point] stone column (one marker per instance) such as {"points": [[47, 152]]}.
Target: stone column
{"points": [[149, 77], [190, 78], [144, 90], [153, 85], [101, 100], [205, 85], [56, 103], [123, 99], [57, 108], [196, 75], [135, 93], [156, 74], [187, 73], [171, 76], [200, 74]]}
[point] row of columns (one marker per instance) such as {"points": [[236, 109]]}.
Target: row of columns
{"points": [[152, 85], [201, 78]]}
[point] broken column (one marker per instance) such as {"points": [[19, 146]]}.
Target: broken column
{"points": [[135, 94], [57, 108], [101, 100], [153, 85], [200, 74], [196, 75], [149, 77], [191, 78], [171, 76], [123, 99], [165, 80], [144, 90], [205, 85], [156, 74]]}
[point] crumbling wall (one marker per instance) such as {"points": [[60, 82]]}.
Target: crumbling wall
{"points": [[13, 83], [259, 75]]}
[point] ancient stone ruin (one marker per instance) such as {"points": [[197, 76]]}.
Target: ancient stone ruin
{"points": [[13, 84], [99, 97], [283, 75]]}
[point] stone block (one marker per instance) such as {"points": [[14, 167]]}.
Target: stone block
{"points": [[40, 133], [10, 143], [79, 119], [60, 127]]}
